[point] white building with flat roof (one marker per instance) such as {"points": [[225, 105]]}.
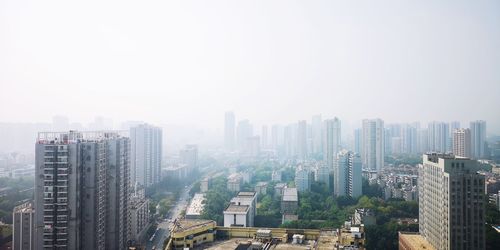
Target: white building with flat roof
{"points": [[237, 216]]}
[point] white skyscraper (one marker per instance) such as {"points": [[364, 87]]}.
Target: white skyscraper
{"points": [[317, 138], [372, 150], [462, 142], [331, 140], [302, 140], [229, 131], [347, 174], [146, 154], [478, 138]]}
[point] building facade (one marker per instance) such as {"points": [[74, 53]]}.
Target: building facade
{"points": [[451, 202], [478, 138], [146, 154], [23, 218], [82, 190], [372, 144], [347, 174], [331, 140], [462, 142]]}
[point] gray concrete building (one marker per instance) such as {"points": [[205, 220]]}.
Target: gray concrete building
{"points": [[82, 190], [347, 174], [451, 202], [23, 218]]}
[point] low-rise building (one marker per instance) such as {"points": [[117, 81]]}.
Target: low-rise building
{"points": [[237, 216], [413, 241], [276, 175], [364, 216], [196, 207], [289, 204], [278, 189], [191, 233], [249, 199]]}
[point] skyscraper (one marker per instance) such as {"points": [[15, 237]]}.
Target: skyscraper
{"points": [[462, 142], [439, 134], [317, 138], [454, 125], [189, 156], [146, 154], [264, 137], [229, 131], [409, 139], [23, 237], [82, 190], [372, 150], [302, 140], [331, 140], [357, 141], [303, 178], [451, 202], [478, 138], [347, 174], [243, 132]]}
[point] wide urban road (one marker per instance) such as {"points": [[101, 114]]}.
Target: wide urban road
{"points": [[163, 228]]}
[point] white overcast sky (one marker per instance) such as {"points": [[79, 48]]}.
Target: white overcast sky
{"points": [[187, 62]]}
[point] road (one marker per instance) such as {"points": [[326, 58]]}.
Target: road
{"points": [[163, 230]]}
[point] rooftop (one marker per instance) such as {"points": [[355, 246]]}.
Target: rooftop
{"points": [[290, 194], [232, 208], [415, 241], [196, 206], [183, 225], [246, 194], [72, 136]]}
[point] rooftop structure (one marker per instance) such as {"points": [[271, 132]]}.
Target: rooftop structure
{"points": [[413, 241], [290, 194]]}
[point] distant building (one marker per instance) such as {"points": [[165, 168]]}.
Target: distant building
{"points": [[195, 208], [451, 202], [189, 156], [146, 154], [322, 174], [439, 134], [478, 138], [364, 216], [278, 189], [276, 175], [302, 140], [178, 171], [205, 184], [317, 135], [252, 148], [23, 234], [234, 182], [289, 204], [372, 144], [229, 131], [243, 132], [303, 179], [347, 175], [261, 188], [331, 140], [462, 142]]}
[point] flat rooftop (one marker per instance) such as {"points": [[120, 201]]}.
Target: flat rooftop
{"points": [[196, 206], [246, 194], [232, 208], [290, 194], [415, 241], [182, 225], [233, 244]]}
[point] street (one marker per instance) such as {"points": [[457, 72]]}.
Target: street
{"points": [[163, 230]]}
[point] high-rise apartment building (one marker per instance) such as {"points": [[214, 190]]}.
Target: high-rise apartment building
{"points": [[357, 141], [243, 132], [454, 125], [439, 134], [347, 174], [303, 178], [372, 150], [462, 142], [229, 131], [478, 138], [82, 190], [322, 174], [302, 140], [451, 202], [146, 154], [331, 140], [317, 137], [189, 156], [23, 237], [408, 139]]}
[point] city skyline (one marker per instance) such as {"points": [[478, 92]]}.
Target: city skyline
{"points": [[339, 59]]}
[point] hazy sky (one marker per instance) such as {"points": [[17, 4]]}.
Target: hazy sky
{"points": [[269, 61]]}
